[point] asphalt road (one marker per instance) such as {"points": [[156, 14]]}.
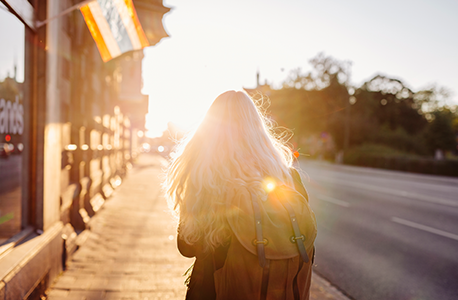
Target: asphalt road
{"points": [[385, 234]]}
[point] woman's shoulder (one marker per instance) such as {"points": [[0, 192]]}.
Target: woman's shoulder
{"points": [[298, 184], [295, 174]]}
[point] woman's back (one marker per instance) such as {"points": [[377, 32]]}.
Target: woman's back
{"points": [[233, 149]]}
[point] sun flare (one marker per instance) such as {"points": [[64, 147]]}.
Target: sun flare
{"points": [[269, 184]]}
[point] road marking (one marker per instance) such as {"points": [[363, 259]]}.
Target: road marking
{"points": [[391, 191], [425, 228], [333, 200]]}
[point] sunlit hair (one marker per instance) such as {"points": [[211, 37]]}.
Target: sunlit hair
{"points": [[234, 146]]}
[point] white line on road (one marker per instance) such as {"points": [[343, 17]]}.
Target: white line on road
{"points": [[391, 191], [425, 228], [333, 200]]}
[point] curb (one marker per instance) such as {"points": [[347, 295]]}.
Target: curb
{"points": [[322, 289]]}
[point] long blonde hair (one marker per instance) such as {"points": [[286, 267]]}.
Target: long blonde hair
{"points": [[233, 147]]}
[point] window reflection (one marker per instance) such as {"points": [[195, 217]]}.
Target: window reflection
{"points": [[11, 122]]}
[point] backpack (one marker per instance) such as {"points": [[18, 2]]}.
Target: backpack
{"points": [[271, 241]]}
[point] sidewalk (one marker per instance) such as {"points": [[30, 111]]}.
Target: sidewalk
{"points": [[130, 252]]}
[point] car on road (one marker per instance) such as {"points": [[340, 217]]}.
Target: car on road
{"points": [[18, 148], [4, 150]]}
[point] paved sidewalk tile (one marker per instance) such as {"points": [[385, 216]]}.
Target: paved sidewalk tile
{"points": [[131, 249]]}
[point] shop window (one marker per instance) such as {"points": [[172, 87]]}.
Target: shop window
{"points": [[11, 123]]}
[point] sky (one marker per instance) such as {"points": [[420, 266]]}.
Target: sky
{"points": [[11, 45], [216, 45]]}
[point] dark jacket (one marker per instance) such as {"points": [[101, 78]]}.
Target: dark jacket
{"points": [[202, 283]]}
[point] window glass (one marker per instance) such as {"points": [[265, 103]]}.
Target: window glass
{"points": [[12, 37]]}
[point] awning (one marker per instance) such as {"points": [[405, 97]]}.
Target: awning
{"points": [[150, 14], [23, 10]]}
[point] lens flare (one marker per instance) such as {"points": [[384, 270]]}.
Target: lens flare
{"points": [[269, 184]]}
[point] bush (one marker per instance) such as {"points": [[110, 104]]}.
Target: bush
{"points": [[381, 156], [400, 140]]}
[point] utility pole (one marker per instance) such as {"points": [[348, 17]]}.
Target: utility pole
{"points": [[350, 99]]}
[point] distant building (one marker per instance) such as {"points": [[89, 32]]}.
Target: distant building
{"points": [[67, 137], [264, 89]]}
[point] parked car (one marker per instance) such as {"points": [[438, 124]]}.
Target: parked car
{"points": [[4, 150], [18, 148]]}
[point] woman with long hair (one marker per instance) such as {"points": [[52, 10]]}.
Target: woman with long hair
{"points": [[232, 158]]}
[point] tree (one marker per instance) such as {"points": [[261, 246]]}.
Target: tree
{"points": [[440, 133], [315, 102], [432, 99], [394, 104], [326, 70], [383, 110]]}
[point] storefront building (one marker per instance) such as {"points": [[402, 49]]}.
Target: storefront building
{"points": [[68, 123]]}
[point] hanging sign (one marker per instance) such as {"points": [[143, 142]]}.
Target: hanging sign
{"points": [[114, 26]]}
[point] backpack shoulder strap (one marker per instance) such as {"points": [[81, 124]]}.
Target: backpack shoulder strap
{"points": [[298, 238], [260, 243]]}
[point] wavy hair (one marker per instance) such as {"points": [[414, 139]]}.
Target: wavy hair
{"points": [[234, 146]]}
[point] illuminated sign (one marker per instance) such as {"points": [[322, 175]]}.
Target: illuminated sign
{"points": [[11, 117]]}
